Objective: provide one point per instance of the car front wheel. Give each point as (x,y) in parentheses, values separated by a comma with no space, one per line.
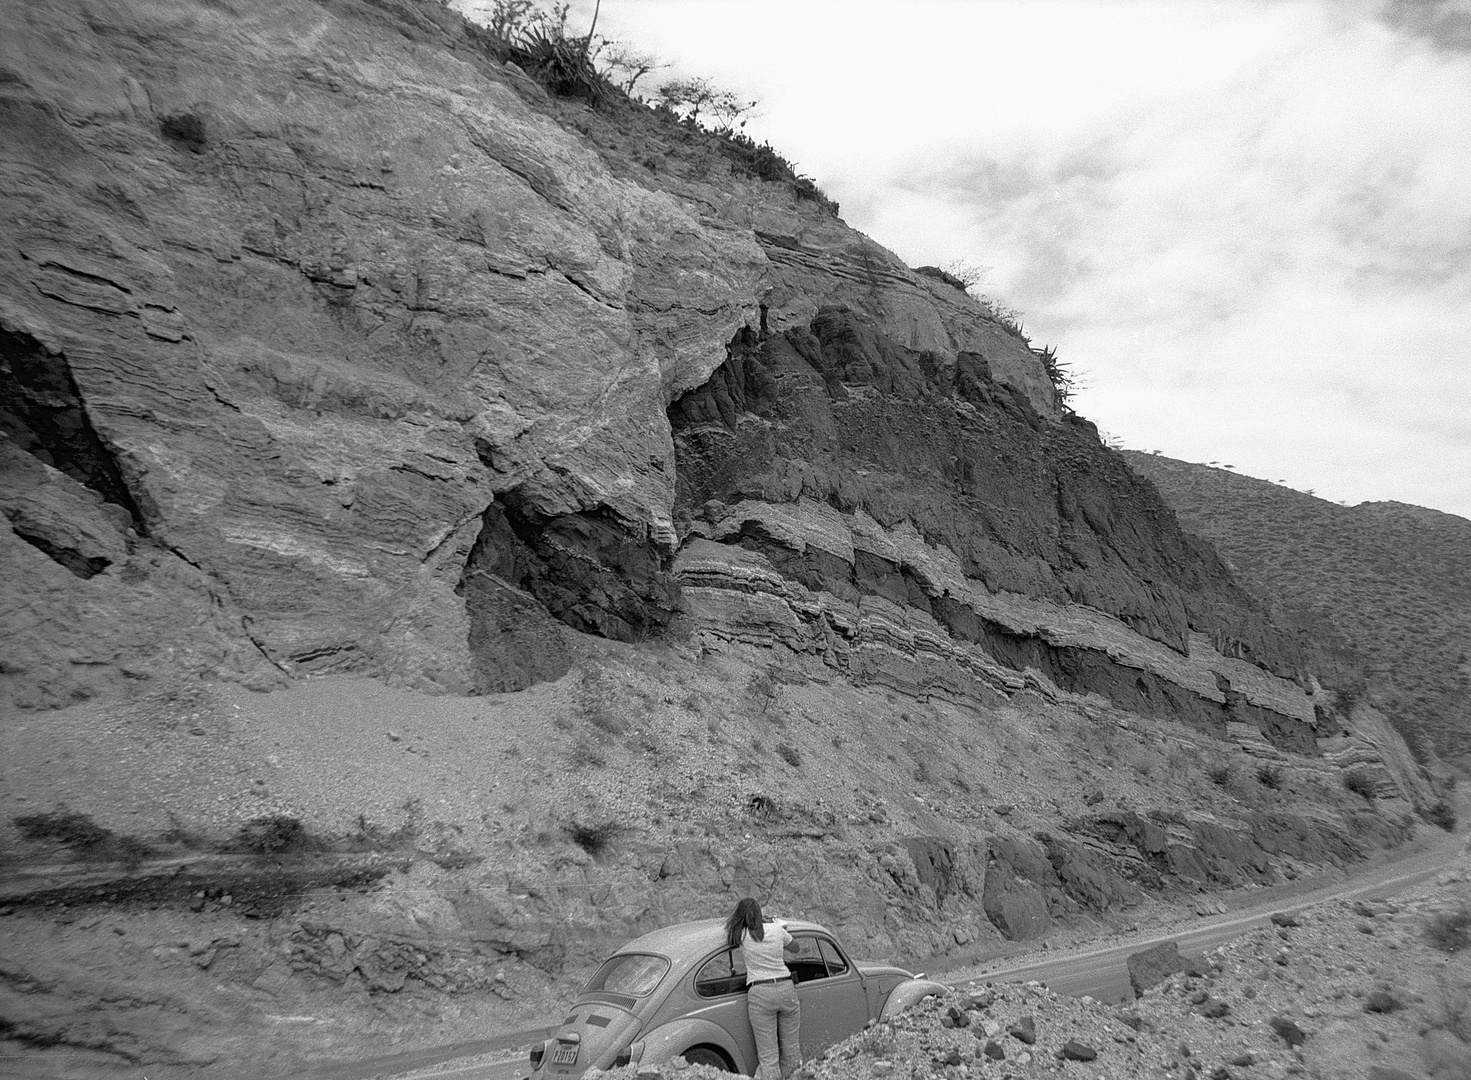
(707,1055)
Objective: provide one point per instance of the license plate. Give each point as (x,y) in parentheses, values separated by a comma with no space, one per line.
(564,1054)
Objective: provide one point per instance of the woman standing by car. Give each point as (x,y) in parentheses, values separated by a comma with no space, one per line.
(771,993)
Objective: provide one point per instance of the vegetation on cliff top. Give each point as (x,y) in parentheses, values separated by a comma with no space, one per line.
(600,70)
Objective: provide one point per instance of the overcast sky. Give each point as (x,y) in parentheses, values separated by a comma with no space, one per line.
(1245,223)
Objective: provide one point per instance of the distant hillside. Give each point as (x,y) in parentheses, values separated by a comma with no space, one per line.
(1391,581)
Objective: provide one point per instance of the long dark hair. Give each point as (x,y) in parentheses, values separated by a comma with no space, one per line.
(746,917)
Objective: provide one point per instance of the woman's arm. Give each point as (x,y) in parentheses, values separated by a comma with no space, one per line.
(789,946)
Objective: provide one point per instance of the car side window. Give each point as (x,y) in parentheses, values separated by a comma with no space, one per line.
(807,964)
(836,965)
(724,973)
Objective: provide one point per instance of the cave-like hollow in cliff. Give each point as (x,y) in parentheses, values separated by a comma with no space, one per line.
(588,570)
(42,414)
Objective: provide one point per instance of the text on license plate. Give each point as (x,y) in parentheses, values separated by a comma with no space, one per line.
(564,1054)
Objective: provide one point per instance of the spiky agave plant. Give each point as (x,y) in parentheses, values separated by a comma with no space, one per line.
(560,63)
(1059,373)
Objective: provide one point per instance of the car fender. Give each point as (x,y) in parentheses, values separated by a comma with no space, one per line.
(668,1041)
(907,993)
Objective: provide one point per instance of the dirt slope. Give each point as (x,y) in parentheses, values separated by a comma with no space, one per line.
(1390,582)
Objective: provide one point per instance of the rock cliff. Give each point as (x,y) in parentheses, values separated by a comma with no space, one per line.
(332,345)
(293,293)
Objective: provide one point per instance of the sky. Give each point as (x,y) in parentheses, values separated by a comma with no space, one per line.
(1245,224)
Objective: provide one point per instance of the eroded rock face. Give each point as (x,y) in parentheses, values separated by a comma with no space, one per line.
(294,293)
(919,523)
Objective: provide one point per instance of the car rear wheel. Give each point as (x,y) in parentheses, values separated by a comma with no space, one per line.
(707,1055)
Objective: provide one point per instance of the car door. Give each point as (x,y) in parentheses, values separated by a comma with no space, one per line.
(719,986)
(831,992)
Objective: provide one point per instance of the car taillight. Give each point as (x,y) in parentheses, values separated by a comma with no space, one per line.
(631,1054)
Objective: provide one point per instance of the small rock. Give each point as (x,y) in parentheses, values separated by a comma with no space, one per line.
(1024,1030)
(1200,997)
(1380,1001)
(1288,1031)
(1244,1059)
(1133,1020)
(1387,1072)
(958,1016)
(1220,1072)
(1214,1009)
(1003,809)
(1365,928)
(1280,959)
(881,1068)
(1023,1059)
(1281,918)
(196,731)
(394,736)
(992,1028)
(983,1000)
(994,1051)
(1072,1050)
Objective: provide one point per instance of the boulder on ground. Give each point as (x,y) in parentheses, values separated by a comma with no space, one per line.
(1153,966)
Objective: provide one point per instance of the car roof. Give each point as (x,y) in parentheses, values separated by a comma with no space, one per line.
(687,939)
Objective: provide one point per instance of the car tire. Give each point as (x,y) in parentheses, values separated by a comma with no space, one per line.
(707,1055)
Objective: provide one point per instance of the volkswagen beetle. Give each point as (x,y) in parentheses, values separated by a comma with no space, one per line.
(681,992)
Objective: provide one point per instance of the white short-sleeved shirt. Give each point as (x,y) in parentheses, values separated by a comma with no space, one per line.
(764,958)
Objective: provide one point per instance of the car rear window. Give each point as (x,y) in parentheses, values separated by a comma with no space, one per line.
(631,974)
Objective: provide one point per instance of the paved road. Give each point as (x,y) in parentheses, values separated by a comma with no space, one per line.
(1096,970)
(1101,970)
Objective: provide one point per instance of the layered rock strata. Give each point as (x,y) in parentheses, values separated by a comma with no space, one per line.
(917,523)
(288,298)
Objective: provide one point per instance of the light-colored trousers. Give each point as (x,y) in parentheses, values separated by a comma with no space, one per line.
(776,1021)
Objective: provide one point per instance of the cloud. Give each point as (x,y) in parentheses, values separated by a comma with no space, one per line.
(1444,23)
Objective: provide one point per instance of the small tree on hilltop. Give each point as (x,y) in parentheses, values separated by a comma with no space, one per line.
(624,66)
(969,274)
(690,98)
